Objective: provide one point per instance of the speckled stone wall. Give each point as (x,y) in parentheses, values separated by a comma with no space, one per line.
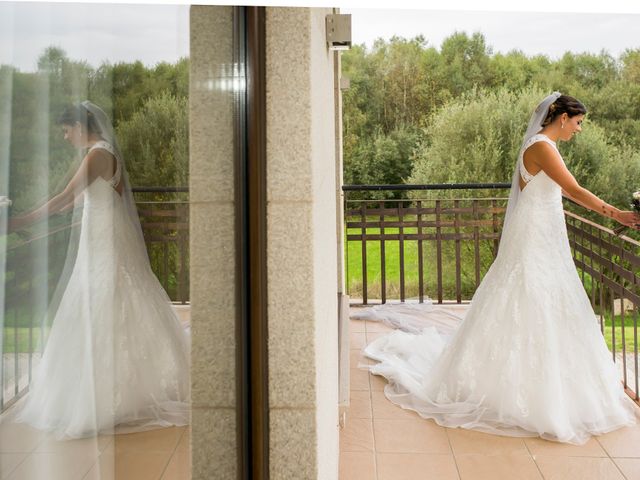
(302,258)
(301,238)
(212,256)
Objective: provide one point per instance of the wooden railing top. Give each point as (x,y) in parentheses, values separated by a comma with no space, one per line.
(602,228)
(430,186)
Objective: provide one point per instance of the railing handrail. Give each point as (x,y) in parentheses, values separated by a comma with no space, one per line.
(427,186)
(601,227)
(40,236)
(392,200)
(462,186)
(135,190)
(160,189)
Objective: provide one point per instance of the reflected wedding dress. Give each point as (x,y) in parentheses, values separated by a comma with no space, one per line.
(529,358)
(116,354)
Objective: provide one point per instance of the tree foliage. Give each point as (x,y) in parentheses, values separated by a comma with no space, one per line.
(148,107)
(155,138)
(420,114)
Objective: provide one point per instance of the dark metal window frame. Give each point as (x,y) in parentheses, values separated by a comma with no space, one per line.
(251,248)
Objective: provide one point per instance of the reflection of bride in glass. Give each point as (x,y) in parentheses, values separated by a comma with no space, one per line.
(116,354)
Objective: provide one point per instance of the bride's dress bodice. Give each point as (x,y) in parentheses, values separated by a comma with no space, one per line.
(103,220)
(536,238)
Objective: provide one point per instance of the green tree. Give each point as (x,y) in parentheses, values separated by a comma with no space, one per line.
(154,142)
(386,159)
(466,62)
(408,86)
(474,138)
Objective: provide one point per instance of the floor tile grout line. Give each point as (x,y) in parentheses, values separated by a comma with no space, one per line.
(453,453)
(373,430)
(610,457)
(175,448)
(96,462)
(165,467)
(533,458)
(30,452)
(15,469)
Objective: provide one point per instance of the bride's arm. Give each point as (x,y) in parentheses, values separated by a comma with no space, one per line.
(574,200)
(71,204)
(549,160)
(96,163)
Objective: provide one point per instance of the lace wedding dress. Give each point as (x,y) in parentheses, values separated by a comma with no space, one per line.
(117,355)
(529,358)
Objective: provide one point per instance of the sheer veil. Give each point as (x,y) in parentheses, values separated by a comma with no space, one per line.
(413,317)
(534,126)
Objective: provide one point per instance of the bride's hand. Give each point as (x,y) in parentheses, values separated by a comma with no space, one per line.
(628,218)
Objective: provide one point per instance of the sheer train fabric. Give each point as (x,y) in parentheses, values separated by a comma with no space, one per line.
(117,357)
(528,359)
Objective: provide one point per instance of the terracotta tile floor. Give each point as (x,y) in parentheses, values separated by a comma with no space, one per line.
(381,441)
(28,454)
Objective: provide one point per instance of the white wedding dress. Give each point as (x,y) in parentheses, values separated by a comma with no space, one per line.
(117,357)
(529,358)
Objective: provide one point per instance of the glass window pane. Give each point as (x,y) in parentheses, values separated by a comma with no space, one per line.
(95,224)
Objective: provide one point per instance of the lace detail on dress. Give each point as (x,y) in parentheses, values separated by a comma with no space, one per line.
(540,137)
(115,180)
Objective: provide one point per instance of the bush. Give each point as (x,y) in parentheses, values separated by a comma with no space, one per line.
(475,138)
(155,142)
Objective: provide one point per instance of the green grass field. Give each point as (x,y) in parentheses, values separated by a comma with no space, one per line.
(353,251)
(10,343)
(629,340)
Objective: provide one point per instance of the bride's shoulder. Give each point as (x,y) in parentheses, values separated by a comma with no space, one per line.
(541,153)
(539,142)
(104,145)
(538,137)
(100,153)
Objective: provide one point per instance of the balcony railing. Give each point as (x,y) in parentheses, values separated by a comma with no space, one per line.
(164,216)
(34,265)
(437,242)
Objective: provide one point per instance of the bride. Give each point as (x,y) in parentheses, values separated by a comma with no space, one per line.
(529,358)
(116,353)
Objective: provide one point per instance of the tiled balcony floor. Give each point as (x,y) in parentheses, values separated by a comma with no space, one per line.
(381,441)
(28,454)
(161,454)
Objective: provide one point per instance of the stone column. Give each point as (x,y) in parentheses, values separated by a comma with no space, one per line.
(302,257)
(212,245)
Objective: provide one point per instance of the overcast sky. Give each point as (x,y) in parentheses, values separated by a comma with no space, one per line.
(551,34)
(93,32)
(97,32)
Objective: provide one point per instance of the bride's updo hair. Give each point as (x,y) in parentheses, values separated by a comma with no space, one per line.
(564,104)
(77,113)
